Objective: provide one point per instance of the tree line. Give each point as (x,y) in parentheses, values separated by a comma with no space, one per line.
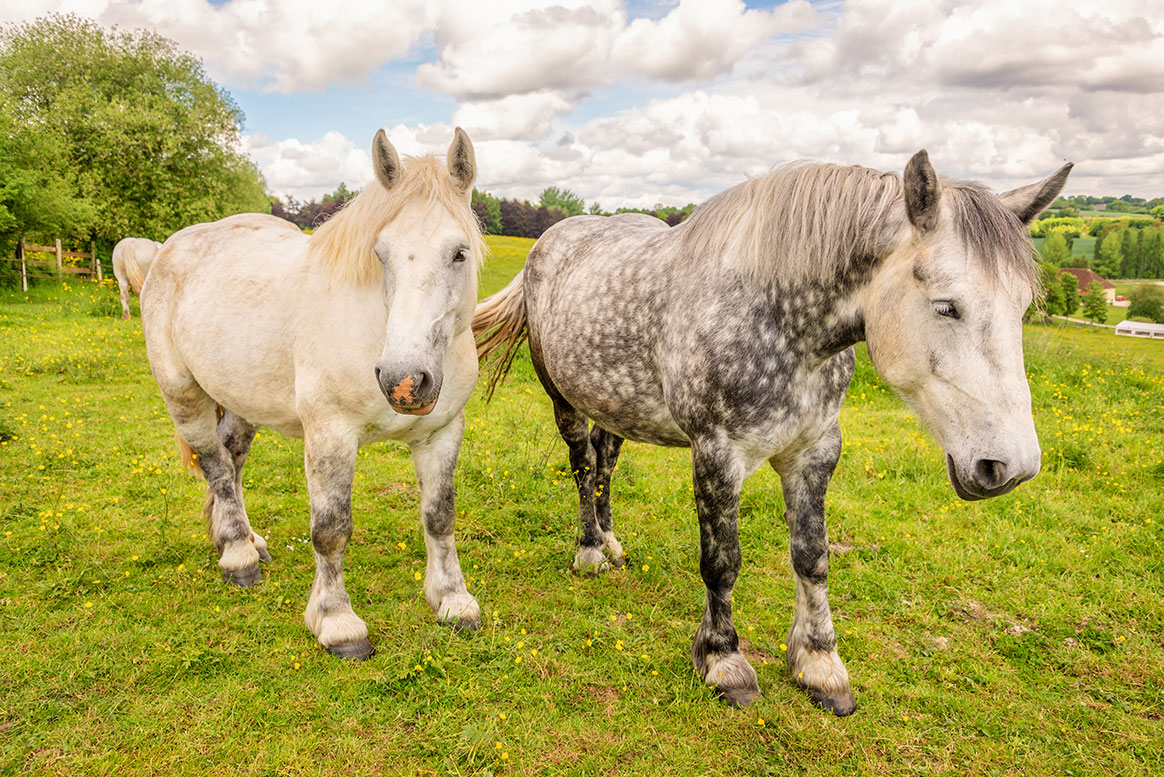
(1124,248)
(520,218)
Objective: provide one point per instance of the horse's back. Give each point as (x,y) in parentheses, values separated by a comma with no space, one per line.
(220,309)
(595,287)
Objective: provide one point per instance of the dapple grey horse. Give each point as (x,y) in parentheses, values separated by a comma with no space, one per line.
(732,333)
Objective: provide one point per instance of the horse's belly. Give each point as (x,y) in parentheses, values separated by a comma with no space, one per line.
(615,386)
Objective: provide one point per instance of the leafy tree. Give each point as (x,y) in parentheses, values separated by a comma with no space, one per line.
(1149,308)
(36,194)
(1070,288)
(1095,303)
(1129,254)
(563,200)
(488,210)
(147,138)
(1110,254)
(1153,263)
(1055,249)
(1158,212)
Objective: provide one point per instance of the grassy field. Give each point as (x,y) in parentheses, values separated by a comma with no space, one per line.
(1020,635)
(1081,246)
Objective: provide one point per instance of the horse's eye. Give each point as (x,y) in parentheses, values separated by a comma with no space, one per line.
(945,307)
(461,255)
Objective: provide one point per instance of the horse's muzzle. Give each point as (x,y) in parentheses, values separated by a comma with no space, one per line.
(414,393)
(988,478)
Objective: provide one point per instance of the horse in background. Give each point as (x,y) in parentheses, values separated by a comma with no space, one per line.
(132,257)
(732,334)
(356,334)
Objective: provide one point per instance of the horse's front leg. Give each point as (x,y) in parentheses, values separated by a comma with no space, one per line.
(718,475)
(330,462)
(435,459)
(812,644)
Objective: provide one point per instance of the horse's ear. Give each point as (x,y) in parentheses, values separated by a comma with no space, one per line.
(385,160)
(462,160)
(922,192)
(1029,201)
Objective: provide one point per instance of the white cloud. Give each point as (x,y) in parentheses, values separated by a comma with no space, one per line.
(307,171)
(490,50)
(702,39)
(517,117)
(285,46)
(706,91)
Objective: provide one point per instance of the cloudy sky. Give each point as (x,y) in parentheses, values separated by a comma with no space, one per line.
(657,101)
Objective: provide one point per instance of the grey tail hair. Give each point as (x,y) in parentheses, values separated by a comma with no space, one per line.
(500,325)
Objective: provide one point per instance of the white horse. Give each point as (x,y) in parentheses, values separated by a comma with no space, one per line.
(132,257)
(249,322)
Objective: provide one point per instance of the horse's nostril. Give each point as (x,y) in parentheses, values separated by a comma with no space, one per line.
(990,473)
(425,383)
(377,372)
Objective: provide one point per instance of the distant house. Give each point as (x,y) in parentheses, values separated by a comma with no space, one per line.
(1140,329)
(1085,276)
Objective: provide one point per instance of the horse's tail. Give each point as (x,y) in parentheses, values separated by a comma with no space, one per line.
(133,272)
(187,454)
(500,324)
(189,457)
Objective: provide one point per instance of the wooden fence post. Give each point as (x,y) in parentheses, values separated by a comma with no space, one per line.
(96,264)
(23,267)
(59,265)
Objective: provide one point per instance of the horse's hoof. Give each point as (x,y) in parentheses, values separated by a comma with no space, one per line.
(619,562)
(358,650)
(739,697)
(841,705)
(243,578)
(264,556)
(466,624)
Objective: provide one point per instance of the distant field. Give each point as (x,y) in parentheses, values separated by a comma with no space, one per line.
(1082,246)
(1013,636)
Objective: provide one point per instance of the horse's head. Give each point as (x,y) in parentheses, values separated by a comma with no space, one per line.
(943,321)
(429,251)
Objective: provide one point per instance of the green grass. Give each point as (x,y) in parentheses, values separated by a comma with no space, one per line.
(1019,635)
(1083,245)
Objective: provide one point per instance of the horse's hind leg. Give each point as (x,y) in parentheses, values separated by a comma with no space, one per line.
(574,428)
(123,289)
(237,434)
(812,644)
(196,416)
(606,447)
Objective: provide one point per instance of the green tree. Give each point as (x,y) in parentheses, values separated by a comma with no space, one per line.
(1095,303)
(36,194)
(1148,308)
(1158,212)
(564,200)
(488,210)
(1153,264)
(1070,286)
(1055,249)
(1050,303)
(149,140)
(1110,254)
(1129,254)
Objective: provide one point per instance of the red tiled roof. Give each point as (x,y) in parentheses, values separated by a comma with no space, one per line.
(1085,276)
